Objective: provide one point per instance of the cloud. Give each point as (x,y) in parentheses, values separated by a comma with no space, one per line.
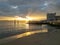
(16,7)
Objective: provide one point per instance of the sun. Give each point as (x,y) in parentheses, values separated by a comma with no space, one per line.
(28,18)
(25,20)
(19,18)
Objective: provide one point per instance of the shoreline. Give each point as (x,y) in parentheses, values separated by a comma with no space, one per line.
(51,38)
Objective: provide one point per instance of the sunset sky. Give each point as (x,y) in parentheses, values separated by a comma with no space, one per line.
(22,7)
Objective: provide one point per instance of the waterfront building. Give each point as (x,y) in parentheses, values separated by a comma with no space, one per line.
(57,17)
(51,17)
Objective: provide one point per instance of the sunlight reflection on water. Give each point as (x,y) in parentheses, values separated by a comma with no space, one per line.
(23,29)
(31,33)
(22,35)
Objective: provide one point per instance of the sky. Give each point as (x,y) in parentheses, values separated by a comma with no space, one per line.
(23,7)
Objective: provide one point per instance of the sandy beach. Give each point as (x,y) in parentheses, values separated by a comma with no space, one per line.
(51,38)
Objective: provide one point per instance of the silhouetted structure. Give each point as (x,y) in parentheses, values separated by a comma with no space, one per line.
(51,16)
(57,17)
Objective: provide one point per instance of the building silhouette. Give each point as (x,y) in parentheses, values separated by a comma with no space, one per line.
(51,17)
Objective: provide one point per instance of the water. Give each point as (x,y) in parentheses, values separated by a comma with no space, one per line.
(10,28)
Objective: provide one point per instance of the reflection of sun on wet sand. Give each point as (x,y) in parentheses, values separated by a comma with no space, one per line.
(31,33)
(38,39)
(21,35)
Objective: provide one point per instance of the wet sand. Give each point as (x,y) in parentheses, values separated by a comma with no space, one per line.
(50,38)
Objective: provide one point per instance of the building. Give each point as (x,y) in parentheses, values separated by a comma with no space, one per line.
(51,17)
(57,17)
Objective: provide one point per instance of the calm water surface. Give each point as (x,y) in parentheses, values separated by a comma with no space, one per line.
(12,28)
